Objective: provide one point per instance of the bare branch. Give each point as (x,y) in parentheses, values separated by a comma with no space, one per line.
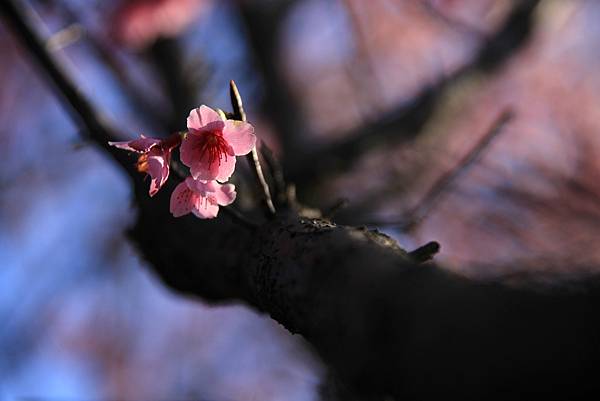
(443,184)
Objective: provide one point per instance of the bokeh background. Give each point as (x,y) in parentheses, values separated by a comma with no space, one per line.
(370,102)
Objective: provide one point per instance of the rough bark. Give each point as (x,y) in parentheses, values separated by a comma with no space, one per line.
(386,325)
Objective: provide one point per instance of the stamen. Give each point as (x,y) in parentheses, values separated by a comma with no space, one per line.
(142,163)
(214,147)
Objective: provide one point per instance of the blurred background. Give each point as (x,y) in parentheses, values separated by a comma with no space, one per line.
(387,105)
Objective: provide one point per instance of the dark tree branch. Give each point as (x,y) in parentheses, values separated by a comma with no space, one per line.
(386,325)
(182,90)
(262,21)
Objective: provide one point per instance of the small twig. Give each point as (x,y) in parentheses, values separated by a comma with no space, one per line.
(252,157)
(335,208)
(453,23)
(65,37)
(281,195)
(413,218)
(424,253)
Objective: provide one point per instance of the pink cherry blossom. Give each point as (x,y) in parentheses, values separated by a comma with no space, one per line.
(138,23)
(154,159)
(201,198)
(211,145)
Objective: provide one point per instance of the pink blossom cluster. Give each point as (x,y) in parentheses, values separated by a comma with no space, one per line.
(209,149)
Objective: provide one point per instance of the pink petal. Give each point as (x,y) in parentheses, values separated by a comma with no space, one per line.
(201,117)
(158,169)
(183,200)
(122,145)
(240,136)
(202,169)
(201,187)
(139,145)
(226,166)
(207,170)
(225,194)
(205,209)
(189,149)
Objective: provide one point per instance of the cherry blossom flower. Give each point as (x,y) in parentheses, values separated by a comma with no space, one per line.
(202,198)
(138,23)
(211,145)
(154,159)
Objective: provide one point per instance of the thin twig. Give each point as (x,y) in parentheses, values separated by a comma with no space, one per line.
(424,253)
(335,208)
(413,218)
(240,114)
(451,22)
(276,170)
(65,37)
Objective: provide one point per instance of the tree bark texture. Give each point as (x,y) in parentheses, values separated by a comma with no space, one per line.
(385,324)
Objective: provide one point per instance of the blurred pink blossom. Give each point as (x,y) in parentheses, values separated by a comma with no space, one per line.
(155,157)
(210,146)
(201,198)
(138,23)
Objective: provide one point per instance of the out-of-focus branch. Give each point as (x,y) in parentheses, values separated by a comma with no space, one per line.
(167,58)
(112,62)
(262,21)
(453,23)
(405,123)
(443,184)
(97,129)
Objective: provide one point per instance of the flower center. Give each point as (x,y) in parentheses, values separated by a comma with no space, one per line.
(142,163)
(214,147)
